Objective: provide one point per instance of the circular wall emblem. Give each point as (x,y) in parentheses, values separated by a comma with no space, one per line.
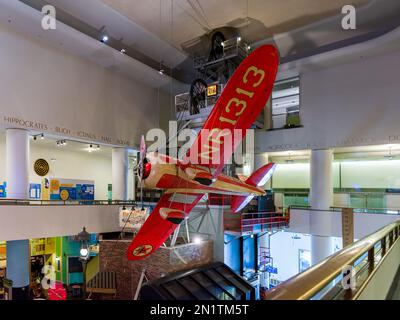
(143,250)
(64,195)
(41,167)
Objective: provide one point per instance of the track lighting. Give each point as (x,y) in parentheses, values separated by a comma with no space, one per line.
(41,135)
(123,51)
(61,143)
(104,38)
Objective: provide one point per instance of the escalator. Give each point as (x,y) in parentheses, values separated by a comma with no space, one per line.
(212,282)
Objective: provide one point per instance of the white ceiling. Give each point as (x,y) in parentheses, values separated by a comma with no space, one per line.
(179,21)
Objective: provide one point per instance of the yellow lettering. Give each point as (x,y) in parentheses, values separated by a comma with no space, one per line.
(245,92)
(206,154)
(220,134)
(237,103)
(230,121)
(255,72)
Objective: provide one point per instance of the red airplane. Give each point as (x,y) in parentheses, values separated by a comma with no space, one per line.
(186,181)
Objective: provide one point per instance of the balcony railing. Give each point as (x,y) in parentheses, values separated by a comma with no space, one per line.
(325,280)
(252,223)
(31,202)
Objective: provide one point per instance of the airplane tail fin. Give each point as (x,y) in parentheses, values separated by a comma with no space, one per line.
(257,179)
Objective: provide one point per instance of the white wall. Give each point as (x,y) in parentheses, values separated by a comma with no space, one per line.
(354,174)
(364,223)
(51,88)
(31,222)
(346,105)
(285,252)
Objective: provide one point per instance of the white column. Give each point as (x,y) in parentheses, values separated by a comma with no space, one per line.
(261,159)
(264,241)
(17,175)
(17,162)
(321,198)
(120,167)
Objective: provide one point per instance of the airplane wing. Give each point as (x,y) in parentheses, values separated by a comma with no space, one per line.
(163,220)
(239,105)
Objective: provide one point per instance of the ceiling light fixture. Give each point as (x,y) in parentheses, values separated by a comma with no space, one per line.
(41,135)
(123,51)
(61,143)
(104,38)
(389,156)
(290,160)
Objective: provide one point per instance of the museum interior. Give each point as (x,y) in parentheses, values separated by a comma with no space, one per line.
(102,101)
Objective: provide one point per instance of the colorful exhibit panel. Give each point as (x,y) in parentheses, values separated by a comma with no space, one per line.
(67,189)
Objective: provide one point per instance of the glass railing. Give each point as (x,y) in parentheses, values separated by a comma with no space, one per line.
(355,210)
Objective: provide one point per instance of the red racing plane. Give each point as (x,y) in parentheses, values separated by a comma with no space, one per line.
(186,181)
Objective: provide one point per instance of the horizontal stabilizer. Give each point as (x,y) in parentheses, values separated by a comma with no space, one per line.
(259,178)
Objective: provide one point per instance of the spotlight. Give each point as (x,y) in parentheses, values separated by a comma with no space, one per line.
(34,137)
(123,51)
(197,240)
(98,147)
(248,48)
(239,39)
(104,38)
(161,71)
(42,136)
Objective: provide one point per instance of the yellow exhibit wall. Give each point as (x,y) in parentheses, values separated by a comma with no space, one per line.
(347,174)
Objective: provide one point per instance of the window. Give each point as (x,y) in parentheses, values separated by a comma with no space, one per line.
(304,259)
(286,104)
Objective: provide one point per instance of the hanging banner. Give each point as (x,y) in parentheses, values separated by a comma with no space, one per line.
(347,226)
(132,220)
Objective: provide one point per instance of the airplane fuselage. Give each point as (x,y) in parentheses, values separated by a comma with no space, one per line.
(173,176)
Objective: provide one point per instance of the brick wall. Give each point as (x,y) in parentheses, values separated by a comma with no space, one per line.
(163,261)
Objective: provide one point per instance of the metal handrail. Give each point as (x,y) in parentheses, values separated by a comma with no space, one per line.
(356,210)
(311,282)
